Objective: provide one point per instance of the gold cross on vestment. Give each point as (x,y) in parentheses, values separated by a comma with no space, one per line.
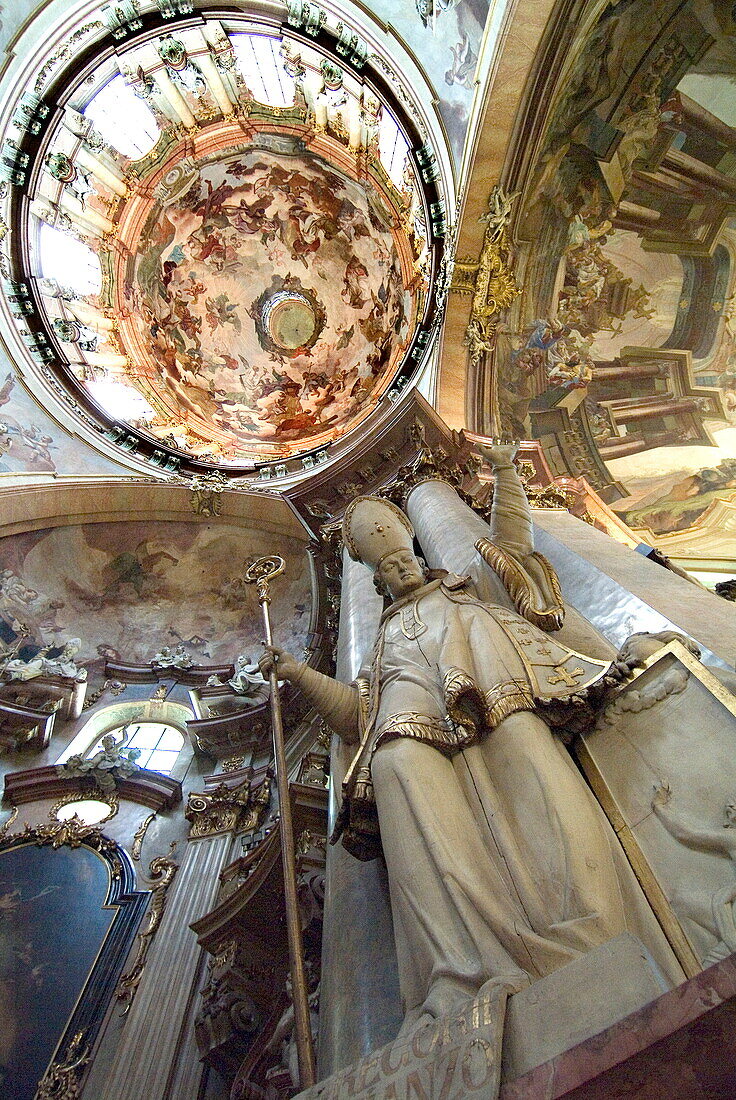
(565,677)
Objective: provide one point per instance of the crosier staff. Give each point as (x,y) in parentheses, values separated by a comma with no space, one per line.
(260,573)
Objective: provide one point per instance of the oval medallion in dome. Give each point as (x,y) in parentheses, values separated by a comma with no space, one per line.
(270,300)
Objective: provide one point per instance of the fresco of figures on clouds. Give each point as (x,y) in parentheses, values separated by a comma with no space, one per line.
(267,357)
(446,36)
(30,442)
(127,589)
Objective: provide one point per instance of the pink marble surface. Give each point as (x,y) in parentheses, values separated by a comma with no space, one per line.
(682,1046)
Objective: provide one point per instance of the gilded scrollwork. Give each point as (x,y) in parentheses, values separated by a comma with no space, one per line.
(72,833)
(109,798)
(206,492)
(489,279)
(227,809)
(162,871)
(139,835)
(62,1080)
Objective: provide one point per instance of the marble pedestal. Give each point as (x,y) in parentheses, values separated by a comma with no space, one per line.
(462,1056)
(681,1046)
(453,1057)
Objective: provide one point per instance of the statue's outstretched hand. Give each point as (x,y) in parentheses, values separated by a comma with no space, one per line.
(501,452)
(286,666)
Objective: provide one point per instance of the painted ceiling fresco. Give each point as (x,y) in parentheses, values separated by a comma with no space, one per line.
(31,442)
(446,36)
(231,244)
(620,354)
(269,296)
(127,589)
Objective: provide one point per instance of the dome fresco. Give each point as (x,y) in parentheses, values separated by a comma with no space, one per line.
(267,302)
(229,244)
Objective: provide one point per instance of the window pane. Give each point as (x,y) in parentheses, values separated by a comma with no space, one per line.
(123,119)
(393,147)
(161,761)
(171,740)
(71,262)
(139,737)
(121,401)
(262,66)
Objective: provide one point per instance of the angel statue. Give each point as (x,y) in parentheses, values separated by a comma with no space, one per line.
(501,864)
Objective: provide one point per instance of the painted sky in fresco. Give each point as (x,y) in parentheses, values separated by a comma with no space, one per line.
(446,44)
(127,589)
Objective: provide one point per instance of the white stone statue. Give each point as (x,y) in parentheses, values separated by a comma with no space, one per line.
(172,658)
(112,760)
(42,665)
(500,861)
(714,912)
(248,681)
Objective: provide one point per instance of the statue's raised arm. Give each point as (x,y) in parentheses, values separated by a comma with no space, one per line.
(527,576)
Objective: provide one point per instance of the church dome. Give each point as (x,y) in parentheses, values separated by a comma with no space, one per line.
(231,243)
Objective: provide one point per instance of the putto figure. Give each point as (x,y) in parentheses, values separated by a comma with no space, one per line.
(500,862)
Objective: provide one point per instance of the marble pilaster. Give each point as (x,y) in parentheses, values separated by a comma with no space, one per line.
(447,530)
(622,592)
(155,1044)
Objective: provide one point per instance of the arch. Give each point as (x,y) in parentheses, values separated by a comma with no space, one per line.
(117,715)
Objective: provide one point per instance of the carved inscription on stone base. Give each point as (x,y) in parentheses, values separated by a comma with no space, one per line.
(453,1057)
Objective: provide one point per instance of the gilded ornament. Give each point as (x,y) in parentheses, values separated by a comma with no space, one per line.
(62,1080)
(72,833)
(109,798)
(233,763)
(138,837)
(490,280)
(8,822)
(162,871)
(227,810)
(206,491)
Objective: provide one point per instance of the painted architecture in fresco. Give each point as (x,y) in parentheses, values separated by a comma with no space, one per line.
(231,302)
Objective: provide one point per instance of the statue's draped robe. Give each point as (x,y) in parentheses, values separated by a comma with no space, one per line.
(500,862)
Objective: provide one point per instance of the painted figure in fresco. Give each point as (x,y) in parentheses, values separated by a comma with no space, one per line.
(19,970)
(500,862)
(188,292)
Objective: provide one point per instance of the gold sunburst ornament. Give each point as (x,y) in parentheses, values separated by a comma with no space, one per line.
(489,279)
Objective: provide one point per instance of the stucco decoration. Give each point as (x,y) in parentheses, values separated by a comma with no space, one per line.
(126,588)
(267,301)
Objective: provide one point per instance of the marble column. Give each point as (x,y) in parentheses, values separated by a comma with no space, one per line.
(359,1004)
(622,592)
(156,1046)
(447,530)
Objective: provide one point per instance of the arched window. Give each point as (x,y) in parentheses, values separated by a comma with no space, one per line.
(121,400)
(123,120)
(70,262)
(393,147)
(262,65)
(158,743)
(156,728)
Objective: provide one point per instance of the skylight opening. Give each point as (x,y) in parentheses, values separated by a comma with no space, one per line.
(120,401)
(262,66)
(123,119)
(71,262)
(393,147)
